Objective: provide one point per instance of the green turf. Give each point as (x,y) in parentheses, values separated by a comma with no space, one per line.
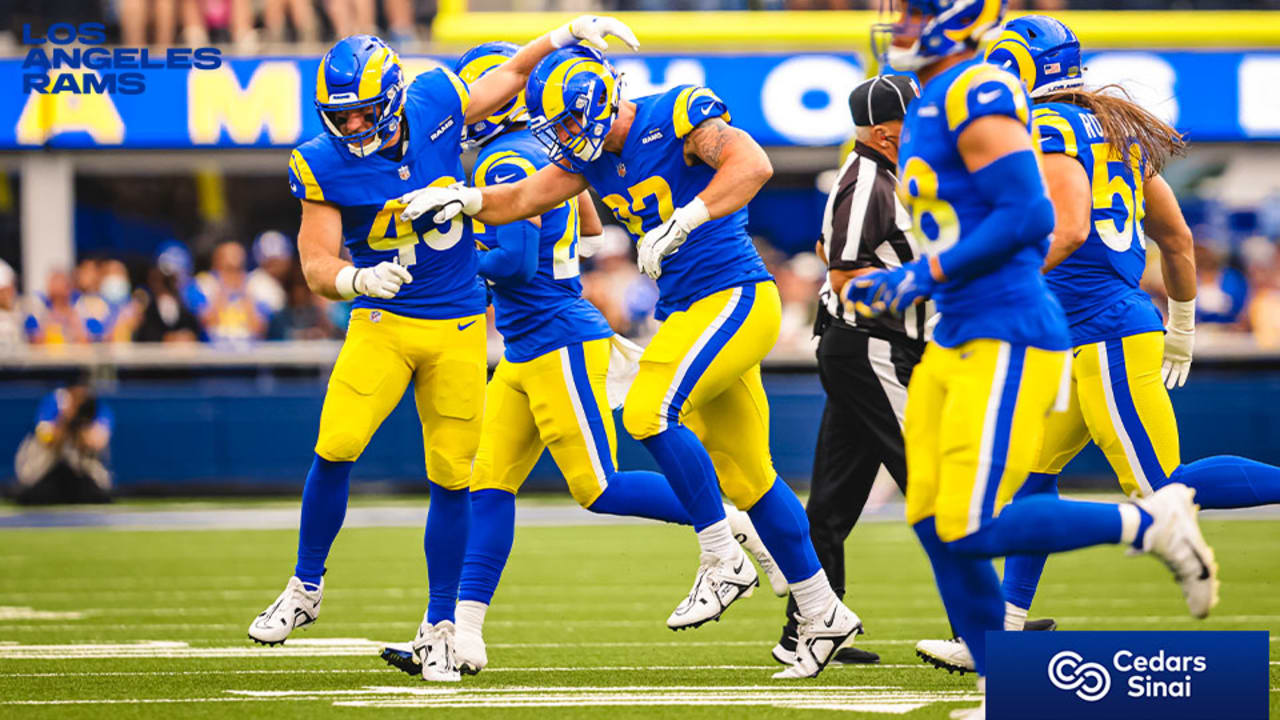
(592,597)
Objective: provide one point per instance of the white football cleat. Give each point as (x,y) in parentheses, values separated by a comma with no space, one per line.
(295,607)
(745,533)
(819,638)
(468,650)
(950,655)
(1174,537)
(433,648)
(718,584)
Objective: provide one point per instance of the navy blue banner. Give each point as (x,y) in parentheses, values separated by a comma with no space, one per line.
(1128,675)
(792,99)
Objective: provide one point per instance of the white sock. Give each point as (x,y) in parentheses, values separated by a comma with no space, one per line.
(470,615)
(813,595)
(717,539)
(1130,521)
(1015,618)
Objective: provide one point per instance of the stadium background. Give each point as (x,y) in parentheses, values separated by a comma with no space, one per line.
(92,188)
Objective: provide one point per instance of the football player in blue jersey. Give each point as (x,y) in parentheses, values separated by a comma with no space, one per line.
(678,176)
(549,389)
(1102,157)
(978,400)
(419,305)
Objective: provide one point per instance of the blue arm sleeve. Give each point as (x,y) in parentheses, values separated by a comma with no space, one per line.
(515,260)
(1021,215)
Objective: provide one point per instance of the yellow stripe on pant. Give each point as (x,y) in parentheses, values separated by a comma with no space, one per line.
(974,423)
(1118,400)
(383,352)
(554,401)
(702,369)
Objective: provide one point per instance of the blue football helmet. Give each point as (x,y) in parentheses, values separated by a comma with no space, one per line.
(1042,51)
(573,97)
(945,27)
(471,67)
(361,72)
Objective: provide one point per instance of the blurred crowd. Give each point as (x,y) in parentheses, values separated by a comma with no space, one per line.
(246,294)
(244,24)
(247,24)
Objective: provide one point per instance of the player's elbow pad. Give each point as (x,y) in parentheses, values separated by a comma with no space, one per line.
(515,260)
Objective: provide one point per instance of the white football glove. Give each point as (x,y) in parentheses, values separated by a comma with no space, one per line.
(444,202)
(593,29)
(1179,341)
(665,239)
(380,281)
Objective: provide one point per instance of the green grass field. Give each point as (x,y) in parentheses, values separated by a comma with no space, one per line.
(125,623)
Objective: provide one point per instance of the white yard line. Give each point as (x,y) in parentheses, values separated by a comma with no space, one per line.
(385,669)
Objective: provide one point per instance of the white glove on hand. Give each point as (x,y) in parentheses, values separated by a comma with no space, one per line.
(624,365)
(380,281)
(593,29)
(444,202)
(1179,341)
(669,236)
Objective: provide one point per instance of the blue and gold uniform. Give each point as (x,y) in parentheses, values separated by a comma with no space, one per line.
(549,389)
(1117,395)
(720,308)
(433,331)
(977,402)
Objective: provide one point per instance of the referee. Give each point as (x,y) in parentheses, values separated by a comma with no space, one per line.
(864,364)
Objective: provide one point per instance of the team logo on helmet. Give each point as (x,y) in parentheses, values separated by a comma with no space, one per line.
(472,66)
(573,97)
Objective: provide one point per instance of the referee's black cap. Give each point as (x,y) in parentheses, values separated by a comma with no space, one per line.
(881,99)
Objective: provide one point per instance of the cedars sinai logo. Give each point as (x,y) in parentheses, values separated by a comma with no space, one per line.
(1160,675)
(1068,671)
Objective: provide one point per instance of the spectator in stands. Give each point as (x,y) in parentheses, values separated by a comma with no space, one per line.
(162,314)
(400,25)
(1221,289)
(301,15)
(611,282)
(54,320)
(229,314)
(65,459)
(304,317)
(159,16)
(12,319)
(273,255)
(799,280)
(1263,265)
(349,17)
(97,313)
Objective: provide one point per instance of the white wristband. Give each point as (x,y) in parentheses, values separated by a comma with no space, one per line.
(345,282)
(690,216)
(1182,314)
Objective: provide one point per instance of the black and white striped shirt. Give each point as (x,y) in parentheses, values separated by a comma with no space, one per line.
(866,226)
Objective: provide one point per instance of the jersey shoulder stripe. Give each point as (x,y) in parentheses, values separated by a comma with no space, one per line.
(302,180)
(980,90)
(693,104)
(1061,128)
(501,167)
